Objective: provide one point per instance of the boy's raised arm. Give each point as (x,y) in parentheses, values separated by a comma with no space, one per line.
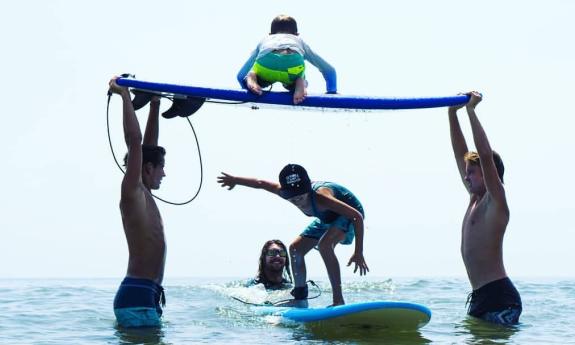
(152,126)
(133,138)
(458,142)
(491,178)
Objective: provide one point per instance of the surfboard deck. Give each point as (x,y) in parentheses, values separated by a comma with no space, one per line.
(375,315)
(325,101)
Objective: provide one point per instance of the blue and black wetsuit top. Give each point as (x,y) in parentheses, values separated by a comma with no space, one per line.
(340,193)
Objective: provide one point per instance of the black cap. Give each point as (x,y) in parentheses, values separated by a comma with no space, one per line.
(294,181)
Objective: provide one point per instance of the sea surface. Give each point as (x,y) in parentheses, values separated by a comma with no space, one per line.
(73,311)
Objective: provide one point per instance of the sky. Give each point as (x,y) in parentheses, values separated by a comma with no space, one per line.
(60,215)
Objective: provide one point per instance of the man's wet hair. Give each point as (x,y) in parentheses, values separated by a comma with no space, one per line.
(473,158)
(261,277)
(284,24)
(150,154)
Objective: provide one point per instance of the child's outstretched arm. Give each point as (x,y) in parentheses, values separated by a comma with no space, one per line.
(324,67)
(247,67)
(227,180)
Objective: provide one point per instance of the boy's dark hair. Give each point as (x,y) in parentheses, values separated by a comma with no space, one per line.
(473,158)
(284,24)
(150,154)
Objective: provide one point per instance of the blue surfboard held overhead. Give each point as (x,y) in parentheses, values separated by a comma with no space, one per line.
(284,98)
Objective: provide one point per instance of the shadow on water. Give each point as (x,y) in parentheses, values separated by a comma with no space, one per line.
(359,335)
(148,336)
(483,332)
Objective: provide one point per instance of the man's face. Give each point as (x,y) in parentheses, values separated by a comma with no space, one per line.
(474,178)
(157,174)
(276,257)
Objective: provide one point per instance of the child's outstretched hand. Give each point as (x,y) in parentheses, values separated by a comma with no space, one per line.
(359,261)
(227,180)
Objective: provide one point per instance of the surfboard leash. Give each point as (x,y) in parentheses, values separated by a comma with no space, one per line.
(125,75)
(307,298)
(274,304)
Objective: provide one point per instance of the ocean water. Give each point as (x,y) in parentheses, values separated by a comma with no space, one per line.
(202,311)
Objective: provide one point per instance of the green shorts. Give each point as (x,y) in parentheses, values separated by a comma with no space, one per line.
(283,68)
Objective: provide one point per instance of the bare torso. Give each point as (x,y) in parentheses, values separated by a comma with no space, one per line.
(144,231)
(482,241)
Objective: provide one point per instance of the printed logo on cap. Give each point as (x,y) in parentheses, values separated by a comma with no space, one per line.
(292,179)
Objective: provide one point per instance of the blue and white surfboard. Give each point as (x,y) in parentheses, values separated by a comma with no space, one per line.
(378,315)
(324,101)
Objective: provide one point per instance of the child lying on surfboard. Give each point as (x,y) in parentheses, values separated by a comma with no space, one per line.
(279,57)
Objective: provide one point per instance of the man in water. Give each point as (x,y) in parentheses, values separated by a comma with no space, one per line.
(494,298)
(273,268)
(137,302)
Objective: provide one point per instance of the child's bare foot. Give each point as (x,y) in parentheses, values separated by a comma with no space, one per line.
(300,91)
(252,83)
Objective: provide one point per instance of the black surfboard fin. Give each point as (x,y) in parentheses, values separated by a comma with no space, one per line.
(141,98)
(184,107)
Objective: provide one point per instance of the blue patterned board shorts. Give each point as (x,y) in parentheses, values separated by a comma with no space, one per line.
(137,303)
(497,302)
(509,316)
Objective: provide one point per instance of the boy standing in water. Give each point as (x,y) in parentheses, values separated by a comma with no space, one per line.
(279,57)
(494,298)
(137,302)
(339,219)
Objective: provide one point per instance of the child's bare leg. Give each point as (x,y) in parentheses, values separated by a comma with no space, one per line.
(326,248)
(298,249)
(252,83)
(300,91)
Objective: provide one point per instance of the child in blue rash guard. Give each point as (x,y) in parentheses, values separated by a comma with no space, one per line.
(279,57)
(339,219)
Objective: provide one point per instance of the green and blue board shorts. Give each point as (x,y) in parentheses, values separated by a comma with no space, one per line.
(283,68)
